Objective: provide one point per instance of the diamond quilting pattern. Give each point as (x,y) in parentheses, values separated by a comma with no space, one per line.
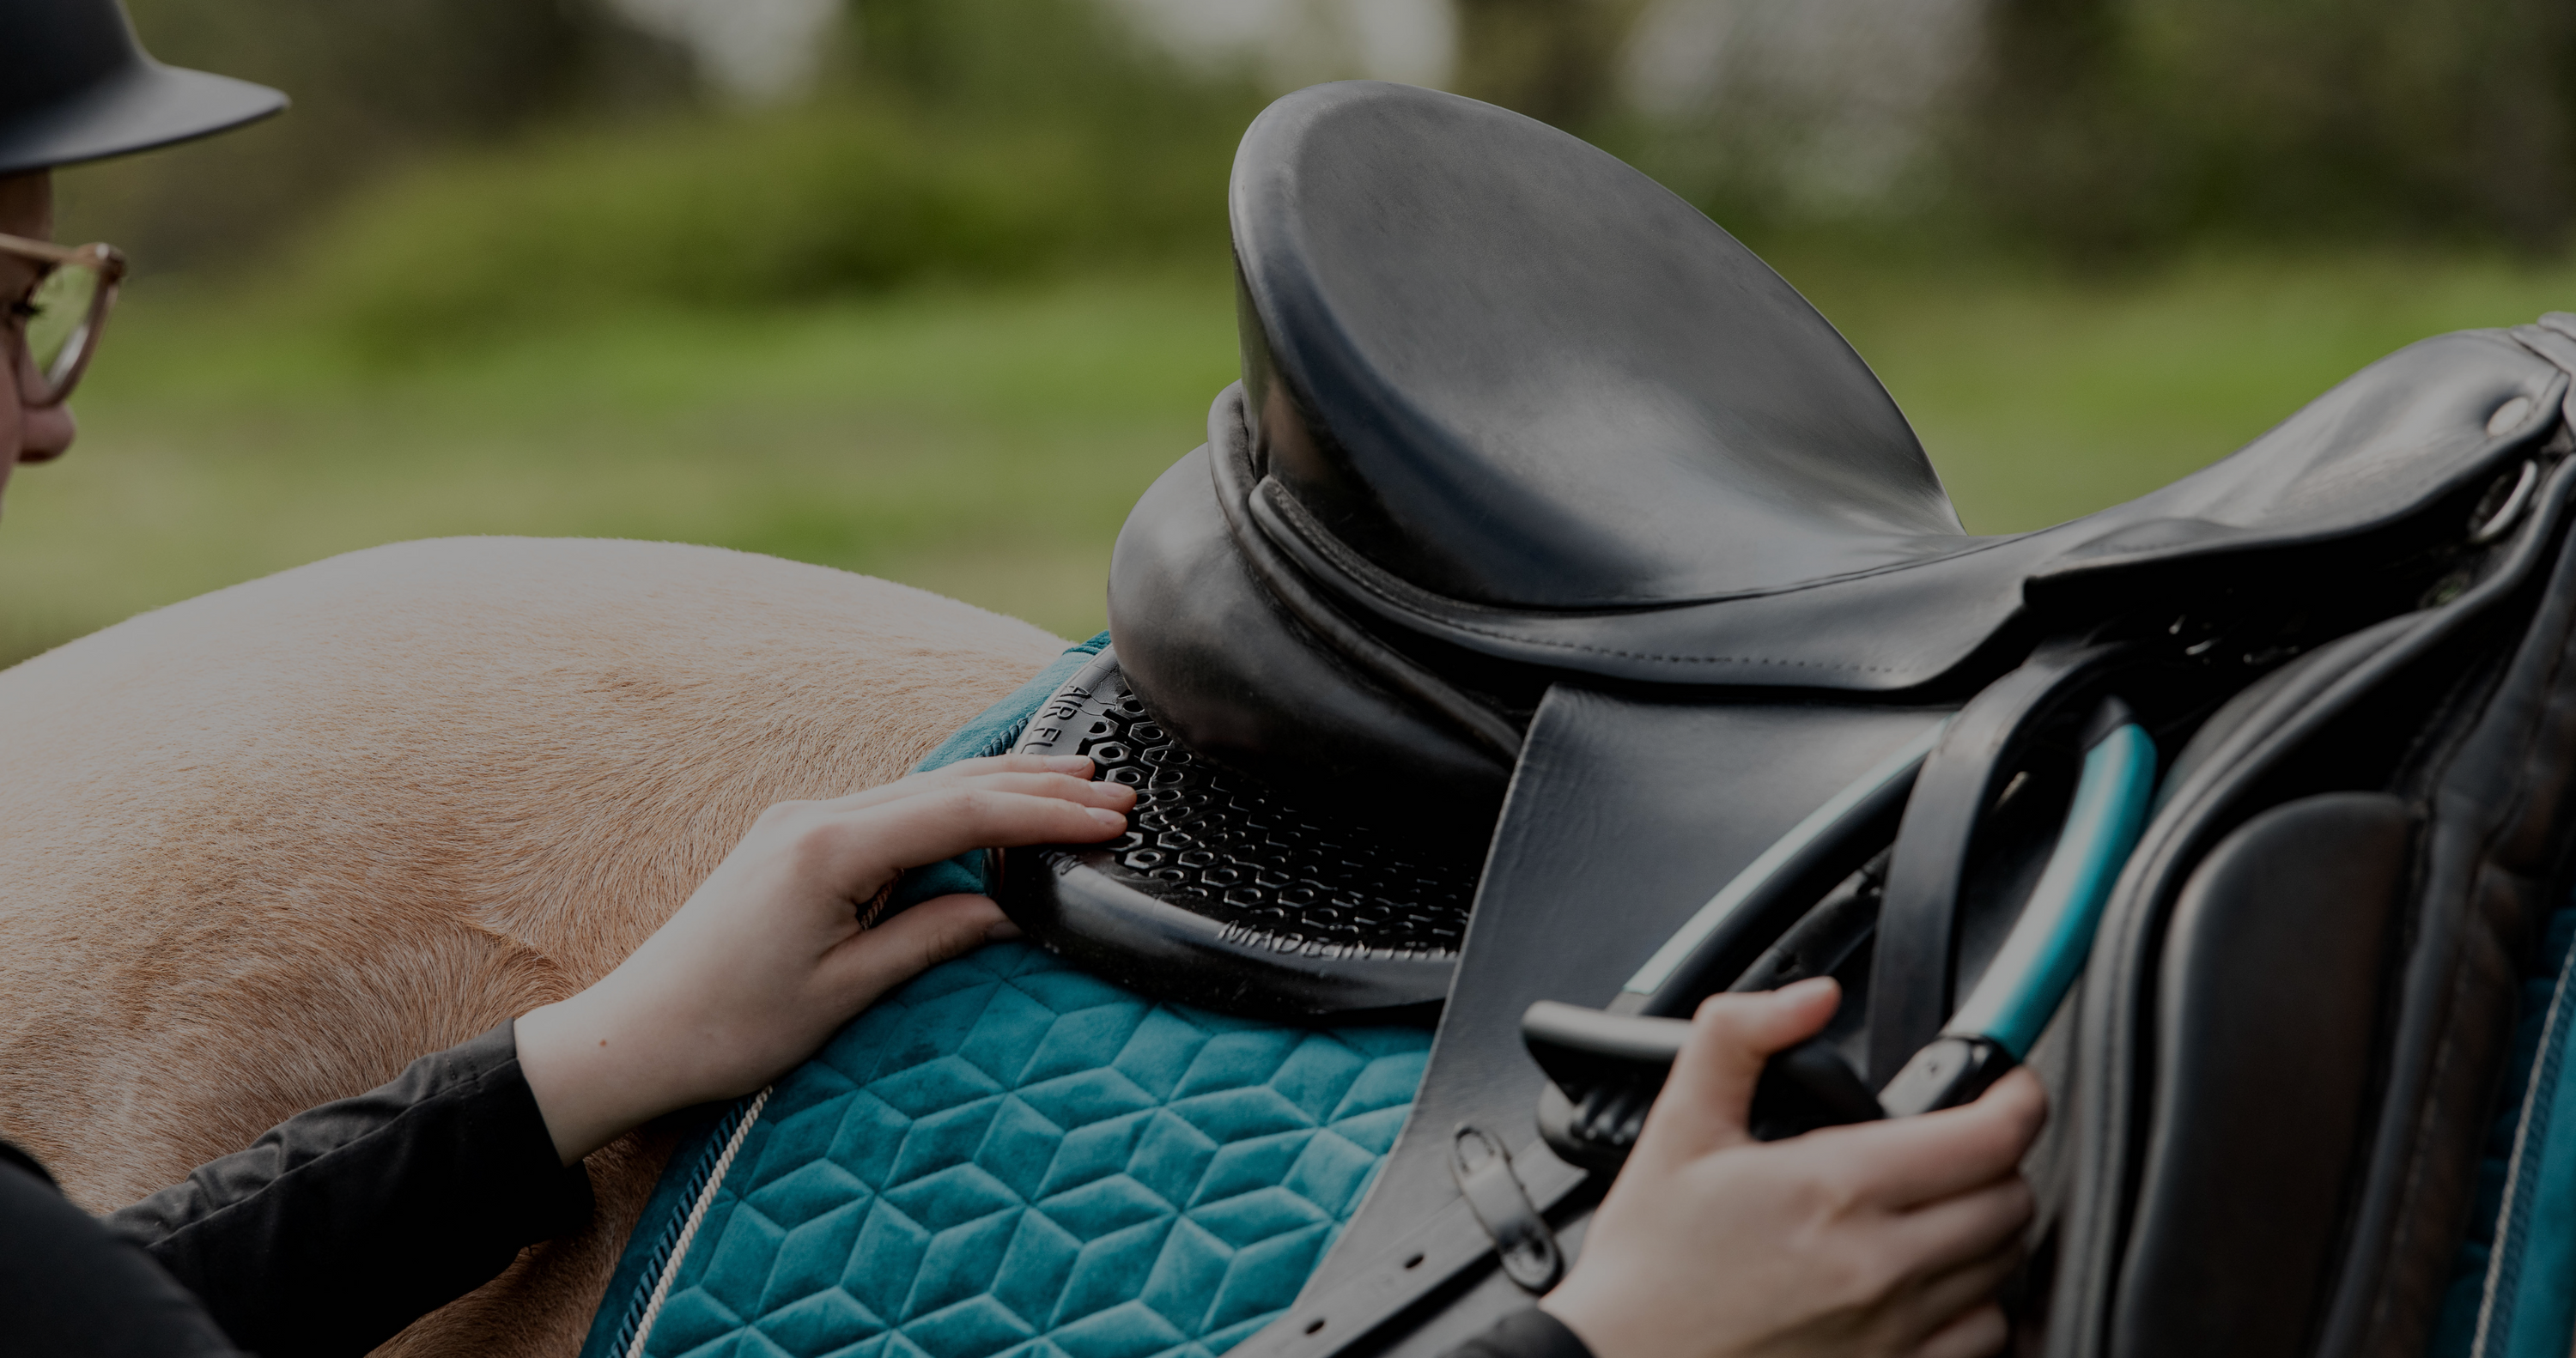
(1011,1157)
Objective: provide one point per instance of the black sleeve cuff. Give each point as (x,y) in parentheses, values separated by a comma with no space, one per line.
(341,1225)
(1527,1333)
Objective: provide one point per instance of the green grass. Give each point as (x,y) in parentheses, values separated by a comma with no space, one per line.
(2041,398)
(984,445)
(987,443)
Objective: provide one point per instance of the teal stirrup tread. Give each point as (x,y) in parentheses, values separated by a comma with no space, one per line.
(1009,1156)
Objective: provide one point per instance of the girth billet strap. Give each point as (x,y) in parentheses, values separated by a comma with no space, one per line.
(1503,1208)
(1910,974)
(1518,1193)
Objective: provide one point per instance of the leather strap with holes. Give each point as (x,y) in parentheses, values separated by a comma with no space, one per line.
(1445,1247)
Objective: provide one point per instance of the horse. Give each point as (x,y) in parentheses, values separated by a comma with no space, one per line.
(271,844)
(1637,537)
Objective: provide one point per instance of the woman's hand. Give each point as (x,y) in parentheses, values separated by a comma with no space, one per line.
(1882,1238)
(767,960)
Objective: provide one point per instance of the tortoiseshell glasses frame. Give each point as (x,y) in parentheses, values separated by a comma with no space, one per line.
(58,318)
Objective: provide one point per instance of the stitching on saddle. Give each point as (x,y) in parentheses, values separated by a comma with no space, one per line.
(1360,573)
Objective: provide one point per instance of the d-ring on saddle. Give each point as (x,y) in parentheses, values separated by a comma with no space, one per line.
(1549,530)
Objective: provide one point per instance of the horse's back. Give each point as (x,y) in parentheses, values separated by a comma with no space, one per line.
(267,846)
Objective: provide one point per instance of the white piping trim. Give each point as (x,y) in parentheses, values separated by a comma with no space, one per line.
(689,1227)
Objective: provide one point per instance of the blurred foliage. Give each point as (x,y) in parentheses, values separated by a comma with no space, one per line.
(1555,60)
(747,212)
(963,138)
(376,86)
(460,163)
(2109,128)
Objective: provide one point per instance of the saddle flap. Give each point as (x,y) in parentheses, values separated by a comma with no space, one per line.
(1505,367)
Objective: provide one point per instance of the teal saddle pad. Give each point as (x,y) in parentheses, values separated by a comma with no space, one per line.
(1011,1156)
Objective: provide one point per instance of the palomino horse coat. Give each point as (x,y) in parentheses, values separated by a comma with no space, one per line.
(265,847)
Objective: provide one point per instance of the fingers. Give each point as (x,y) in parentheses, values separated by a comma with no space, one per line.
(1940,1298)
(1705,1102)
(1955,1232)
(861,848)
(1066,772)
(865,967)
(1977,1334)
(1937,1155)
(1077,764)
(1115,796)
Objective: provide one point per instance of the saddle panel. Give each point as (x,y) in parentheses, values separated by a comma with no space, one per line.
(1508,368)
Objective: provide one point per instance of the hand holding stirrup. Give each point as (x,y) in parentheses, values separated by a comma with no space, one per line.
(1882,1239)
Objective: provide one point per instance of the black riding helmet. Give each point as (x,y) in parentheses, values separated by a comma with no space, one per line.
(75,86)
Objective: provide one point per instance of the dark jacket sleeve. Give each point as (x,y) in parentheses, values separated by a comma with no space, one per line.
(1530,1333)
(69,1289)
(340,1226)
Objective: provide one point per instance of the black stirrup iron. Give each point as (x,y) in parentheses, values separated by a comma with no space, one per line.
(1606,1066)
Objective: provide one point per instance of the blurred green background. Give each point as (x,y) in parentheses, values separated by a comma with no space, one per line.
(931,288)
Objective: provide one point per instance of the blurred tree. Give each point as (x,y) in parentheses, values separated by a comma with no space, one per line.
(1555,60)
(2108,127)
(1069,62)
(1155,136)
(951,139)
(375,84)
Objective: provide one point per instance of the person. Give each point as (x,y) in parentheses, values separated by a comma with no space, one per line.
(340,1226)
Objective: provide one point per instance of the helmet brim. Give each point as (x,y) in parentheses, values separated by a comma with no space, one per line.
(145,106)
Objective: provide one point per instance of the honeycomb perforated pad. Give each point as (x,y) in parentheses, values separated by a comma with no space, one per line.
(1214,841)
(1009,1156)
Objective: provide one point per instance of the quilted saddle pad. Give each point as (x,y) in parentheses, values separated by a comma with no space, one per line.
(1010,1156)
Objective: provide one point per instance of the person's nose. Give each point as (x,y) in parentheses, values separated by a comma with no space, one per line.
(46,433)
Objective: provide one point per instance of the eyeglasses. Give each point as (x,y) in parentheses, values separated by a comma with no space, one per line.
(59,318)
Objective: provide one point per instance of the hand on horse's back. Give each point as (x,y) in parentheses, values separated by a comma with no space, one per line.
(770,957)
(1881,1238)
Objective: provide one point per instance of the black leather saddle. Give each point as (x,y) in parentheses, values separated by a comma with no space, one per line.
(1561,624)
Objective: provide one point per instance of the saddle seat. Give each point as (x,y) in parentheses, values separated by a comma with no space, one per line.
(1513,413)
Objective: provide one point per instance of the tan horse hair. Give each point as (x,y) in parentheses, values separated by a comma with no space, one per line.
(263,848)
